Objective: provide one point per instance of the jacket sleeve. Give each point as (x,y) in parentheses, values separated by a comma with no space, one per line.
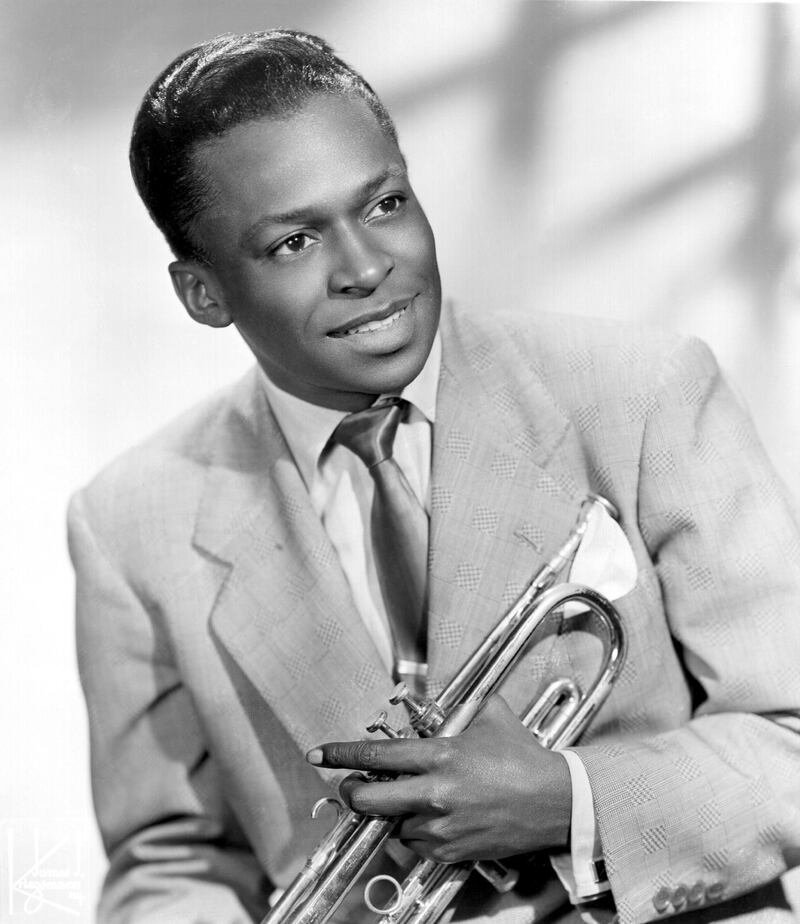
(710,810)
(176,853)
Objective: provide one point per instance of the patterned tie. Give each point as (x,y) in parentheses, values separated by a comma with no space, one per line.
(399,528)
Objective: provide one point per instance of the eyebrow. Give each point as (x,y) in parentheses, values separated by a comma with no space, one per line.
(304,213)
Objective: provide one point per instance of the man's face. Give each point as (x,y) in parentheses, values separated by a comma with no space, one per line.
(321,255)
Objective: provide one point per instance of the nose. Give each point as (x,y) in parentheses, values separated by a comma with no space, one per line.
(360,266)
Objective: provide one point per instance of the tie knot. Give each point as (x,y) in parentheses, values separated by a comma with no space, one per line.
(370,433)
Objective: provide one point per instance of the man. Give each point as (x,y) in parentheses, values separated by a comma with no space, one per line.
(235,610)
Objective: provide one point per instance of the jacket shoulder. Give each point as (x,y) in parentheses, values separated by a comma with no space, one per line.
(166,472)
(571,353)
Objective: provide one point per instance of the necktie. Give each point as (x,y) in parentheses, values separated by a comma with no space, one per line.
(399,529)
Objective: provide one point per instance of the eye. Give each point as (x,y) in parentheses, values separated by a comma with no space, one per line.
(387,206)
(290,246)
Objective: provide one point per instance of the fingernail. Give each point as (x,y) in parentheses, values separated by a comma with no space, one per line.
(314,756)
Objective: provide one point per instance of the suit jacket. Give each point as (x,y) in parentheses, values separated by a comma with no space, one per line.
(218,640)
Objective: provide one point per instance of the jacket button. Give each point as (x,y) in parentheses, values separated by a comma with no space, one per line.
(715,891)
(679,895)
(661,900)
(697,893)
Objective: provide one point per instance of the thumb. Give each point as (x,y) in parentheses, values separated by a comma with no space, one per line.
(496,709)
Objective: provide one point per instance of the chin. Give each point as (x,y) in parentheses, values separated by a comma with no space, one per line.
(395,380)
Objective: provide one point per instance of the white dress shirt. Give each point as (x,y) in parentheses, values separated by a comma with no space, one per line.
(341,489)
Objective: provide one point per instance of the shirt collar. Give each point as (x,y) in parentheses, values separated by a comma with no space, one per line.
(308,427)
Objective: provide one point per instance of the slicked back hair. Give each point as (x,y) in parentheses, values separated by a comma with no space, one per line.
(210,89)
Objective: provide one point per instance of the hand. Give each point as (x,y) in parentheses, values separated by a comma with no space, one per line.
(487,793)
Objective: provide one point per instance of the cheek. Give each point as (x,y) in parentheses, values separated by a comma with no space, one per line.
(294,294)
(421,249)
(281,304)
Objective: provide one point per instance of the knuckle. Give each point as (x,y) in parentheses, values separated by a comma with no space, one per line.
(367,754)
(441,831)
(439,799)
(443,754)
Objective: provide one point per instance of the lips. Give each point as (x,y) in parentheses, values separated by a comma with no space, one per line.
(373,321)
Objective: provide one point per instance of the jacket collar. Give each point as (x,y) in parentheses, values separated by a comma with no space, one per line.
(284,610)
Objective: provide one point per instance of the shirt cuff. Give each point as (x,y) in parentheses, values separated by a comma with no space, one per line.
(581,871)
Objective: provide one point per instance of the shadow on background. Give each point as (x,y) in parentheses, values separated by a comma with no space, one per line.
(67,62)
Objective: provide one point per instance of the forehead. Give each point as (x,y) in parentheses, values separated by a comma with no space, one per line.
(331,145)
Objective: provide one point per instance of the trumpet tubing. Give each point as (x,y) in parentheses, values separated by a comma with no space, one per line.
(557,718)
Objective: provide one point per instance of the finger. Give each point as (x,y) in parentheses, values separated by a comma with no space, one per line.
(423,828)
(390,799)
(351,780)
(411,755)
(348,784)
(420,848)
(429,850)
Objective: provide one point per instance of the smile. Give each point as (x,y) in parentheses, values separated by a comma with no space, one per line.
(377,324)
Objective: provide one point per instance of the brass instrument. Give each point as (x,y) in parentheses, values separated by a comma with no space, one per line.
(557,718)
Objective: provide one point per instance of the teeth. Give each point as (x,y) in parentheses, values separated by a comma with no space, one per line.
(376,325)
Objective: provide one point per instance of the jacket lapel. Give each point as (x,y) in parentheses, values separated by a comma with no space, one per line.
(503,498)
(284,610)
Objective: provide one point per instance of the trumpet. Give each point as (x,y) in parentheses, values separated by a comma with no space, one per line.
(557,719)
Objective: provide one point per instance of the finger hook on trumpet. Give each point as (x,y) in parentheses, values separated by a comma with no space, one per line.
(328,800)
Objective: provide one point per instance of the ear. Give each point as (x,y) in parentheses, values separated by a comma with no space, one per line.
(196,286)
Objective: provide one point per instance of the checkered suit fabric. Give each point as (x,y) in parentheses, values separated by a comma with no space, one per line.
(218,639)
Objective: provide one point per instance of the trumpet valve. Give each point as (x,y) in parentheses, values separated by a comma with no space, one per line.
(401,694)
(425,714)
(379,723)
